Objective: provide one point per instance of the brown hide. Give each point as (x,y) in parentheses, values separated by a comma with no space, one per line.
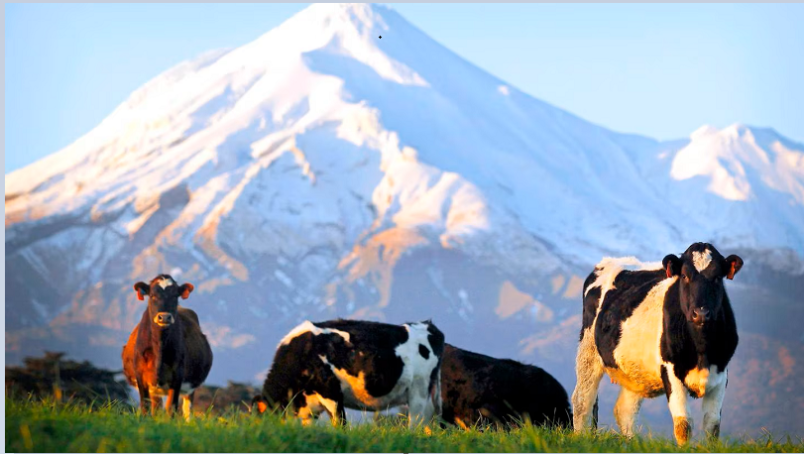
(197,354)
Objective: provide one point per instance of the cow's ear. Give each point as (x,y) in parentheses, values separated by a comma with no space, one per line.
(672,265)
(142,288)
(733,265)
(186,289)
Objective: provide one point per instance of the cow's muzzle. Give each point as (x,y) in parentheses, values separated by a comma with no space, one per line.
(700,315)
(164,319)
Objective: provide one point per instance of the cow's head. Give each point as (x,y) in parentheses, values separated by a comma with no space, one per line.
(163,298)
(700,272)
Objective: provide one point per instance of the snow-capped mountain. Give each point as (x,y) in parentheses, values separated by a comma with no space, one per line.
(320,171)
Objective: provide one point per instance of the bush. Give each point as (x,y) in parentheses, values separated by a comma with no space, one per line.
(51,376)
(234,395)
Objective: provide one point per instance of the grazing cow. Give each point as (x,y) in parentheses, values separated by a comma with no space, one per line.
(331,365)
(658,329)
(476,386)
(166,354)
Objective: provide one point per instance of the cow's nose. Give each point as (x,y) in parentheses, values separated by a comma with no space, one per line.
(700,315)
(164,318)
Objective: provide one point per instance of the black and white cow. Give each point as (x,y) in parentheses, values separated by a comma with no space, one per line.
(331,365)
(663,328)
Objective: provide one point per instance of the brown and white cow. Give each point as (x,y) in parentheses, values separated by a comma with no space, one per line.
(663,328)
(338,364)
(166,354)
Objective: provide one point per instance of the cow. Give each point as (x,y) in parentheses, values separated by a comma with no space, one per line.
(662,328)
(477,387)
(333,365)
(166,353)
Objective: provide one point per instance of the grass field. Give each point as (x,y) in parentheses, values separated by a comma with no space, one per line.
(33,426)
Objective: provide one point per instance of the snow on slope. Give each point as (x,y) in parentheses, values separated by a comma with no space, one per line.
(440,128)
(744,186)
(739,158)
(295,175)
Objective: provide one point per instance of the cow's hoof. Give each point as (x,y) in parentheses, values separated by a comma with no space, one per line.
(682,430)
(714,432)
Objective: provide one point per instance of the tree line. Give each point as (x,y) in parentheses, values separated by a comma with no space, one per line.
(53,376)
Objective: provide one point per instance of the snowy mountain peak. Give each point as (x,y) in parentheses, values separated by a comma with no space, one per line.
(704,131)
(440,148)
(279,73)
(363,16)
(739,158)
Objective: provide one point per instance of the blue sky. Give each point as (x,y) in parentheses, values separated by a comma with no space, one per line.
(657,70)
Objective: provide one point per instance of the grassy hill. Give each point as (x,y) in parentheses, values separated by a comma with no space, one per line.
(36,426)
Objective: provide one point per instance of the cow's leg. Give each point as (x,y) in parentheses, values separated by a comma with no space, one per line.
(335,410)
(171,403)
(418,412)
(331,399)
(589,371)
(307,416)
(314,405)
(626,409)
(337,415)
(713,403)
(187,405)
(156,400)
(307,412)
(176,398)
(677,402)
(144,397)
(420,405)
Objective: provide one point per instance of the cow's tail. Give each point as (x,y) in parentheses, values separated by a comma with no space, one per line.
(435,390)
(436,339)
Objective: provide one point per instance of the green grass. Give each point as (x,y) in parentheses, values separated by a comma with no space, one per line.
(36,426)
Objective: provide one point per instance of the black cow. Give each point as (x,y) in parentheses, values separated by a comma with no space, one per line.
(331,365)
(166,353)
(658,329)
(477,387)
